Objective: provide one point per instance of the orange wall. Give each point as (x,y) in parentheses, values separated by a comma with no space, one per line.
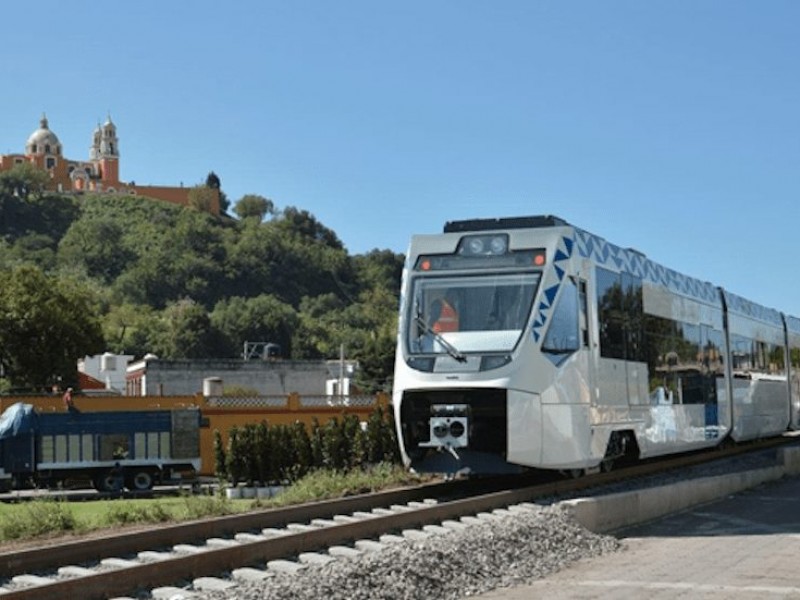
(110,167)
(175,195)
(221,419)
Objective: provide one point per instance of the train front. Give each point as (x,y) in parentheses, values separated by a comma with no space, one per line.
(465,355)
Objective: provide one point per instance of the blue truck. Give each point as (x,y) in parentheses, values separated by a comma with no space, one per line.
(112,449)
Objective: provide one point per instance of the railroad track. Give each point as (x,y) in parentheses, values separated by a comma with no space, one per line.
(198,552)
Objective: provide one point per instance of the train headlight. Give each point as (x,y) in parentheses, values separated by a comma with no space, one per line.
(457,428)
(498,245)
(475,245)
(484,245)
(440,429)
(447,431)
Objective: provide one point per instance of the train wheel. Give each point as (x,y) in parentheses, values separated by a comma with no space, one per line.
(108,482)
(139,481)
(573,473)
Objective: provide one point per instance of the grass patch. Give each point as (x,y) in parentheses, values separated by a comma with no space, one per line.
(326,484)
(128,512)
(34,519)
(200,507)
(37,518)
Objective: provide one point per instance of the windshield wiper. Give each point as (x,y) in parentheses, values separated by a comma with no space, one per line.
(449,348)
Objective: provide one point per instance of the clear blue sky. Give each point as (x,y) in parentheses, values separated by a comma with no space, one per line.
(669,126)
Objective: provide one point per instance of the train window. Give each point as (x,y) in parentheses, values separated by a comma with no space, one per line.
(776,359)
(752,355)
(742,354)
(633,315)
(562,336)
(713,351)
(683,360)
(584,317)
(609,314)
(794,358)
(473,314)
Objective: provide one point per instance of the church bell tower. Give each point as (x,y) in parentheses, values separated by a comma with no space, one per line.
(105,152)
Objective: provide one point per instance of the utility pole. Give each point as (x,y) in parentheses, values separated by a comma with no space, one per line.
(341,369)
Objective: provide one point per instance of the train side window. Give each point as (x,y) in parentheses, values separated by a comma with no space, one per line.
(794,360)
(753,355)
(562,336)
(742,354)
(633,317)
(713,351)
(776,359)
(610,315)
(584,314)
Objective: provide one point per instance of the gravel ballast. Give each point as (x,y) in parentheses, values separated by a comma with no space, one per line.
(500,552)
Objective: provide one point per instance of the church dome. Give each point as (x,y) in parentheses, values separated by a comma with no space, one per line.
(43,141)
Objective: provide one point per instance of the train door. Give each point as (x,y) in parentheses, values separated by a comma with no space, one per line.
(793,326)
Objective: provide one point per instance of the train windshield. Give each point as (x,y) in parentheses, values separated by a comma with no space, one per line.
(477,313)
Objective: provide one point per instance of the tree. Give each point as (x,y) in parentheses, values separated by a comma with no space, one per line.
(380,269)
(274,258)
(186,332)
(213,182)
(261,319)
(254,206)
(304,224)
(203,198)
(46,325)
(99,246)
(24,180)
(35,248)
(184,257)
(131,328)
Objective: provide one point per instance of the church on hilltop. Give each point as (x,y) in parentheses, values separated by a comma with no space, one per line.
(99,174)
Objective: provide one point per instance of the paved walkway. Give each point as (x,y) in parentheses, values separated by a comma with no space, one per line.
(744,547)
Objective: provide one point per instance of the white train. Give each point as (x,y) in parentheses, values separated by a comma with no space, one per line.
(528,342)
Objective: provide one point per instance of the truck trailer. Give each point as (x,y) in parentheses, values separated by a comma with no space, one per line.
(131,449)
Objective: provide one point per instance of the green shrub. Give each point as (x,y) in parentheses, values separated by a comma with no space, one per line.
(220,465)
(263,452)
(127,513)
(39,517)
(249,454)
(199,507)
(280,453)
(234,460)
(316,436)
(334,446)
(301,450)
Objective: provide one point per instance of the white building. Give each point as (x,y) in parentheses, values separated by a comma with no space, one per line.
(108,368)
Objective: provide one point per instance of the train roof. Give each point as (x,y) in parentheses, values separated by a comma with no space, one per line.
(609,255)
(600,251)
(504,223)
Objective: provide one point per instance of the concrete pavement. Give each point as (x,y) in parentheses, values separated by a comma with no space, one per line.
(745,546)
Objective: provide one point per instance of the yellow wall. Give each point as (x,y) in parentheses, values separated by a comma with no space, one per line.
(221,419)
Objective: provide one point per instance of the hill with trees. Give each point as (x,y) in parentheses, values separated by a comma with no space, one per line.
(85,274)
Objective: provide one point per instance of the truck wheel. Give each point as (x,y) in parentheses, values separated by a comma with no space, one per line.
(139,481)
(108,482)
